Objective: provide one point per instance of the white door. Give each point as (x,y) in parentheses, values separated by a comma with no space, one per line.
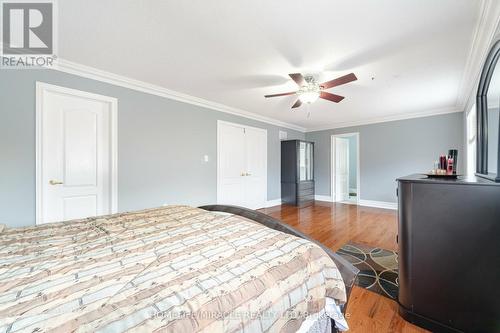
(256,168)
(341,169)
(242,165)
(231,164)
(76,160)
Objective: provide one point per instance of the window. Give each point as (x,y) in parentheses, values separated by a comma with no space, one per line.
(471,141)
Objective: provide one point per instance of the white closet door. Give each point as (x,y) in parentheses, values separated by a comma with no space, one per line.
(241,165)
(231,164)
(256,157)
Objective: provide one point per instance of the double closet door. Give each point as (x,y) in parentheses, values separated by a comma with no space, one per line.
(241,165)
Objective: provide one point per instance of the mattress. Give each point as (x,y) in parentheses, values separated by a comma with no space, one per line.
(169,269)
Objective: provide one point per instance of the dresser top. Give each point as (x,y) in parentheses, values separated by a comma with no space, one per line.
(461,180)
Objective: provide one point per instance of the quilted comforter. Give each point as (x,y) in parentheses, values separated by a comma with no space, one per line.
(169,269)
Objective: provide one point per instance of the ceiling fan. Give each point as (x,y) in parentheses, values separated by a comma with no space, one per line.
(309,90)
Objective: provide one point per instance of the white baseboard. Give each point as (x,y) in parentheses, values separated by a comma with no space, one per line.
(379,204)
(349,202)
(327,198)
(368,203)
(323,198)
(272,203)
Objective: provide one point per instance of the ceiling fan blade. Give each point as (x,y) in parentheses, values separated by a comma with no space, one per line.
(297,104)
(330,97)
(339,81)
(282,94)
(298,78)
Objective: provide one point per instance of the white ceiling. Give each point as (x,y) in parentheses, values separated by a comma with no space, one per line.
(409,56)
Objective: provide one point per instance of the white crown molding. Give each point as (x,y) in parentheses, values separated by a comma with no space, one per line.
(484,33)
(384,119)
(122,81)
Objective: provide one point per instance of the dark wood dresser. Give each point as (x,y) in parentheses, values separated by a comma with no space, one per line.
(449,253)
(297,172)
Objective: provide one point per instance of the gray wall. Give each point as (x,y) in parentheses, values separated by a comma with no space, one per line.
(353,161)
(390,150)
(161,144)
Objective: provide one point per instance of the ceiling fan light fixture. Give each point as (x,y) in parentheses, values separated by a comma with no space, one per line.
(309,97)
(310,90)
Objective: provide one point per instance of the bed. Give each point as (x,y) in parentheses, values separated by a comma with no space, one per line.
(170,269)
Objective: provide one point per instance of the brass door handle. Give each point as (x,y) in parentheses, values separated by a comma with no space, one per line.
(55,182)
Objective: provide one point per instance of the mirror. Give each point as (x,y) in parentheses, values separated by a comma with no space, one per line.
(488,117)
(493,116)
(305,161)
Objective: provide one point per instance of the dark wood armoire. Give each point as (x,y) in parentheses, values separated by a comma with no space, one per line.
(297,172)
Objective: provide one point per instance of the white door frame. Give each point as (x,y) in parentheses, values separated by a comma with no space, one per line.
(221,122)
(332,165)
(41,89)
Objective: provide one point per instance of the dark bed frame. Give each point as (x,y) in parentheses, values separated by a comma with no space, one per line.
(347,270)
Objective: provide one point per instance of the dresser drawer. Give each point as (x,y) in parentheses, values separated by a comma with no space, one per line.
(305,192)
(305,185)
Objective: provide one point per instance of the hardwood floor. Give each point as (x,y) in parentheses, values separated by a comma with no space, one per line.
(336,224)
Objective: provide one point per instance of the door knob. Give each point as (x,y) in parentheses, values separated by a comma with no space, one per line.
(55,182)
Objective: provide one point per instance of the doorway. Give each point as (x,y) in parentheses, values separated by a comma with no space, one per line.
(345,168)
(241,165)
(76,154)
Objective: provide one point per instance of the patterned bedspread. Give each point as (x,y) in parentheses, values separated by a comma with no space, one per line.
(169,269)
